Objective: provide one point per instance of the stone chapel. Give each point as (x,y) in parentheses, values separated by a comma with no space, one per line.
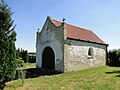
(64,47)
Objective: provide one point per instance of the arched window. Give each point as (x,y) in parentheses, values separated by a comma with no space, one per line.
(90,52)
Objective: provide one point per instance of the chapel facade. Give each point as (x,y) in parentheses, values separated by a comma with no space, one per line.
(64,47)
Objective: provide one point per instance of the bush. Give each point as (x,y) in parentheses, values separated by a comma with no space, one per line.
(20,63)
(114,57)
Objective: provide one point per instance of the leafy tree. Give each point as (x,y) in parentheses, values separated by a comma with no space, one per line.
(23,54)
(114,56)
(7,45)
(118,53)
(18,53)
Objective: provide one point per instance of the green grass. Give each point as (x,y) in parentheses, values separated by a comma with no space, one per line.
(90,79)
(27,65)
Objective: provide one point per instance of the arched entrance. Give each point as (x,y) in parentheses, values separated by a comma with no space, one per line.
(48,58)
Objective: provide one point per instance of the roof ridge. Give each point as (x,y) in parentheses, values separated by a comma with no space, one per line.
(71,25)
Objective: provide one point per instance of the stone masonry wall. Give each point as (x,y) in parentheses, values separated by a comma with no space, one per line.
(76,55)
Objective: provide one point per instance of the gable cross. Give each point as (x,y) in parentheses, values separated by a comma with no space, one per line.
(63,20)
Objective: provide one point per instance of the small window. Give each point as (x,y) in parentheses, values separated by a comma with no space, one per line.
(90,52)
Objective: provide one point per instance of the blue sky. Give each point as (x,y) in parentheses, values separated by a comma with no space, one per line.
(100,16)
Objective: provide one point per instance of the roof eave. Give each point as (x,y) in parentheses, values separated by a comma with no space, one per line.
(88,41)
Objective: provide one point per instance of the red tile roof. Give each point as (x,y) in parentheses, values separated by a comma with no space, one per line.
(81,34)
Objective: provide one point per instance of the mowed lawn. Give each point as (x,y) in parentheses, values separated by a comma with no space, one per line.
(100,78)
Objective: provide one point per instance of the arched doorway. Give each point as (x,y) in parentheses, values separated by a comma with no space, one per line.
(48,58)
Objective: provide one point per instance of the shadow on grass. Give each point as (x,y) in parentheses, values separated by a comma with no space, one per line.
(35,72)
(114,72)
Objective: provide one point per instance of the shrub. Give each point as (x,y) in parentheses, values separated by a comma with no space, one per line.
(20,63)
(114,57)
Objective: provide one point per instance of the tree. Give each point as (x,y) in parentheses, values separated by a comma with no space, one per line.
(21,53)
(18,53)
(7,45)
(118,53)
(114,56)
(25,56)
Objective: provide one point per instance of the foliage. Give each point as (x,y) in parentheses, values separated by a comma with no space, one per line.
(7,45)
(102,78)
(20,63)
(32,57)
(20,53)
(25,56)
(114,57)
(118,53)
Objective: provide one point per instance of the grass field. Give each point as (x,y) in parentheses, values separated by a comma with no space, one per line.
(101,78)
(27,65)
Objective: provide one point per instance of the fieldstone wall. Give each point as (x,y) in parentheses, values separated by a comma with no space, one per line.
(76,55)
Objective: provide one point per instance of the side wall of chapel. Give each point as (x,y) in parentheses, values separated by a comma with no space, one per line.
(76,55)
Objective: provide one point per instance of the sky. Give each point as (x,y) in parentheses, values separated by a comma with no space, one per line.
(100,16)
